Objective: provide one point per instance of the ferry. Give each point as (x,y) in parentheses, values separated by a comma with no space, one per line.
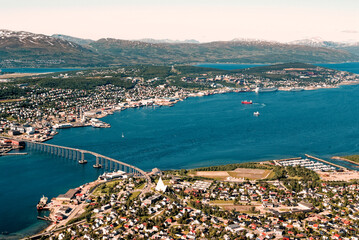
(61,126)
(267,89)
(256,114)
(247,102)
(42,203)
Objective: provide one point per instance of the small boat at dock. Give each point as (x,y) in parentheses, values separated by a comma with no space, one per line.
(42,203)
(296,89)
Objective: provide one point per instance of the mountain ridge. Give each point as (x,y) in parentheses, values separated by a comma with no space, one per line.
(25,49)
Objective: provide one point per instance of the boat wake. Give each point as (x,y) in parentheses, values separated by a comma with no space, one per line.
(261,105)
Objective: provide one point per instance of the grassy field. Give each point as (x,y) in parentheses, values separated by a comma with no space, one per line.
(222,202)
(239,173)
(141,186)
(100,191)
(242,209)
(134,194)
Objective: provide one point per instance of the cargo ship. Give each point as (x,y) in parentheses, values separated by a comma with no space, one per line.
(247,102)
(42,203)
(267,89)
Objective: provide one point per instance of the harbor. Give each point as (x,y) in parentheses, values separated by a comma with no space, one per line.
(193,137)
(307,163)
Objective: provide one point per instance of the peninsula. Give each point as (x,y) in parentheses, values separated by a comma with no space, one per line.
(33,107)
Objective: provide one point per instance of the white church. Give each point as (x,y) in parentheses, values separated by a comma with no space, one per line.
(161,187)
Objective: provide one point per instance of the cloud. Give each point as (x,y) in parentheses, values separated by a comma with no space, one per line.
(350,31)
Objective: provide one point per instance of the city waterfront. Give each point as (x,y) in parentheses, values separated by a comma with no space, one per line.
(203,131)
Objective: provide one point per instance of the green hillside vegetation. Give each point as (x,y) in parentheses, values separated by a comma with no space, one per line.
(262,69)
(354,158)
(154,76)
(11,92)
(233,52)
(80,83)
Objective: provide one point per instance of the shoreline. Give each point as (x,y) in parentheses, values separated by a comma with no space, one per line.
(88,189)
(217,93)
(170,103)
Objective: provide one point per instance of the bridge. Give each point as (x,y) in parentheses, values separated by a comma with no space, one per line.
(79,156)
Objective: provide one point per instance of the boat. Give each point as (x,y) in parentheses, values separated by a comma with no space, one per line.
(247,102)
(123,135)
(267,89)
(97,166)
(256,114)
(62,126)
(42,203)
(296,89)
(82,161)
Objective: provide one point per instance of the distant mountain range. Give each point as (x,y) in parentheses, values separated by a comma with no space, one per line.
(76,40)
(351,47)
(24,49)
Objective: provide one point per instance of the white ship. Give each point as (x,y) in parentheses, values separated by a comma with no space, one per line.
(267,89)
(63,125)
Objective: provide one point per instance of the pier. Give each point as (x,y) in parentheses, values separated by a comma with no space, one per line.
(326,162)
(346,160)
(285,159)
(12,154)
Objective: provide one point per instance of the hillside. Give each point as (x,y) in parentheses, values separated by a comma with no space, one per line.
(24,49)
(79,41)
(350,47)
(229,51)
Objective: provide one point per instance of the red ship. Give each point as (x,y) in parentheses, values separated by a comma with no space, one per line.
(247,102)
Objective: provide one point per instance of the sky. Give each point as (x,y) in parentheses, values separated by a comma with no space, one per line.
(203,20)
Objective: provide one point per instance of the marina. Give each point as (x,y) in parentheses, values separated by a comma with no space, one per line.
(307,163)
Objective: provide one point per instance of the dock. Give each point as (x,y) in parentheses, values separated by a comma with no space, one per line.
(344,159)
(45,218)
(326,162)
(286,159)
(12,154)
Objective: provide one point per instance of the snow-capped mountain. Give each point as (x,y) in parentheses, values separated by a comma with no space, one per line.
(319,42)
(19,49)
(151,40)
(13,39)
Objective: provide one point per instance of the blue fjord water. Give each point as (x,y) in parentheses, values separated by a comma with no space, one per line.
(197,132)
